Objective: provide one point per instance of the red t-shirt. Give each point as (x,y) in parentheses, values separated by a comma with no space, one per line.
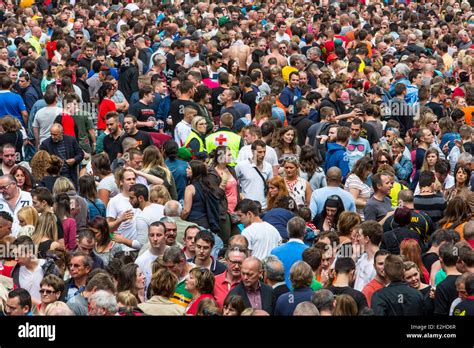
(68,124)
(193,306)
(106,106)
(7,271)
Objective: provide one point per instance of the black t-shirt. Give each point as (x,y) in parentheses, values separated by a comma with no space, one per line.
(358,297)
(338,105)
(112,147)
(143,138)
(143,112)
(216,104)
(428,260)
(177,110)
(368,132)
(41,65)
(437,108)
(250,98)
(117,61)
(446,293)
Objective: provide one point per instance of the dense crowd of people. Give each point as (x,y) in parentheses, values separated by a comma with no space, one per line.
(236,158)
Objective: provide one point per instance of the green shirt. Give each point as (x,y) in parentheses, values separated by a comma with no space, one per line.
(182,296)
(440,276)
(83,123)
(315,285)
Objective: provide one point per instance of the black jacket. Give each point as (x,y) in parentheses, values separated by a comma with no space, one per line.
(398,299)
(302,124)
(278,291)
(266,294)
(73,150)
(391,240)
(84,87)
(128,80)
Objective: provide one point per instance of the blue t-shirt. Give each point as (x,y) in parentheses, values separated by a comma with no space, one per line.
(12,104)
(278,218)
(289,253)
(356,149)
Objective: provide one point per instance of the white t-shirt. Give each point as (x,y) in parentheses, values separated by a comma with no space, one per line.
(24,199)
(365,272)
(145,218)
(262,238)
(181,132)
(108,183)
(283,37)
(128,229)
(44,119)
(251,182)
(30,280)
(246,154)
(144,261)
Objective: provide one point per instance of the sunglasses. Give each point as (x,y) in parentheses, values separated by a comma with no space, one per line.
(46,292)
(383,162)
(359,147)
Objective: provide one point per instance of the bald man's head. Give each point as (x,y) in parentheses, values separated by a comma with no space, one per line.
(36,31)
(172,209)
(251,272)
(56,132)
(334,176)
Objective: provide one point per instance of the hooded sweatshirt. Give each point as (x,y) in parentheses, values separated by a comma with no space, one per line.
(336,157)
(302,124)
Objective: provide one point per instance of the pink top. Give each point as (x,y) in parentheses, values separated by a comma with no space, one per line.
(232,194)
(69,227)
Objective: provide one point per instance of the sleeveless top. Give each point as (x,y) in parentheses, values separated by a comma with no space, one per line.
(297,190)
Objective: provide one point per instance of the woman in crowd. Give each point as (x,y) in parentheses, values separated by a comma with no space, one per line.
(105,247)
(39,165)
(263,112)
(202,97)
(106,104)
(154,164)
(201,205)
(456,214)
(310,169)
(298,188)
(448,134)
(413,278)
(27,216)
(348,232)
(233,306)
(62,209)
(200,284)
(327,220)
(88,191)
(132,278)
(345,306)
(431,157)
(53,171)
(234,72)
(229,189)
(461,188)
(285,143)
(356,183)
(24,180)
(382,157)
(410,250)
(107,187)
(196,140)
(276,188)
(402,165)
(78,204)
(51,288)
(46,234)
(159,195)
(163,284)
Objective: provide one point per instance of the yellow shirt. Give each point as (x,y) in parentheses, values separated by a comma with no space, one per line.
(34,41)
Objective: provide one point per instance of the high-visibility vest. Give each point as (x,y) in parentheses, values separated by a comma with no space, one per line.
(224,138)
(193,135)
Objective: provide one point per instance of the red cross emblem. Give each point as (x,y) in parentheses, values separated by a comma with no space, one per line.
(221,140)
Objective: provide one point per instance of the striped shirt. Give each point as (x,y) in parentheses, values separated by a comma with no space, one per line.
(433,205)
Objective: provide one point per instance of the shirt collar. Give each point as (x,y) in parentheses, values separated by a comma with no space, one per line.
(295,240)
(274,286)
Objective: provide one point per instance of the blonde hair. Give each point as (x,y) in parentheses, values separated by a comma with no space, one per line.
(58,308)
(301,275)
(46,228)
(152,158)
(63,185)
(159,194)
(195,121)
(127,298)
(29,215)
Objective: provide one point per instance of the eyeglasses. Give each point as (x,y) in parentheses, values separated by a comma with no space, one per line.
(3,188)
(79,37)
(202,124)
(234,263)
(282,47)
(435,121)
(46,292)
(359,147)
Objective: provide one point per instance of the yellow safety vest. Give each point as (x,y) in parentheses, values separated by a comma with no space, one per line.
(194,135)
(224,138)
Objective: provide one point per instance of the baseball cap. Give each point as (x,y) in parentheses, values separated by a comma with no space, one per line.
(332,57)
